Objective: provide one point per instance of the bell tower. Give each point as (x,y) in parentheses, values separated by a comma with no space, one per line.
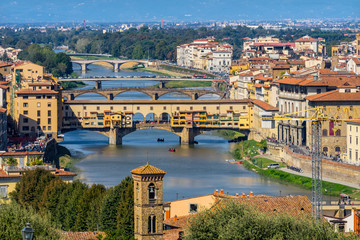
(358,44)
(148,202)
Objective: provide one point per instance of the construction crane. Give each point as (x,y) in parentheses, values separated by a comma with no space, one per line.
(317,116)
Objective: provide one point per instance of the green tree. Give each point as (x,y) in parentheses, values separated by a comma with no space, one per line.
(28,191)
(11,161)
(14,217)
(137,52)
(231,220)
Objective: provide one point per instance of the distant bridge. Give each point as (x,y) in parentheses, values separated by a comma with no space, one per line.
(111,93)
(115,62)
(236,115)
(88,54)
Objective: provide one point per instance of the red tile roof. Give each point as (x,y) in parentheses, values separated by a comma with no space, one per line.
(147,169)
(30,91)
(335,96)
(306,39)
(264,105)
(81,235)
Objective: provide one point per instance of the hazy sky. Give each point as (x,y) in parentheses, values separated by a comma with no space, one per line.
(30,11)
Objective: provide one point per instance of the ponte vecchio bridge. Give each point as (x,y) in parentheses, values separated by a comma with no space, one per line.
(154,93)
(185,118)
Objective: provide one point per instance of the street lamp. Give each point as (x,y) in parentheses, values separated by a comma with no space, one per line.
(27,232)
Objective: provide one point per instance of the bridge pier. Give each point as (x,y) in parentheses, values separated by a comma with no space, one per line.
(187,136)
(83,67)
(110,96)
(194,96)
(116,134)
(155,96)
(116,67)
(161,84)
(98,84)
(72,96)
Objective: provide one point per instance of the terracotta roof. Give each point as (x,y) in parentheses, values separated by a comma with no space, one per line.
(274,44)
(290,81)
(292,205)
(335,96)
(264,105)
(147,169)
(21,153)
(4,87)
(81,235)
(354,121)
(306,39)
(30,91)
(281,66)
(356,61)
(3,110)
(40,84)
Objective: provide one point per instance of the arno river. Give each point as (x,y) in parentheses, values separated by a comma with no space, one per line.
(191,170)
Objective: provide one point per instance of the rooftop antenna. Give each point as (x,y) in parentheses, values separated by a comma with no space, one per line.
(84,25)
(162,23)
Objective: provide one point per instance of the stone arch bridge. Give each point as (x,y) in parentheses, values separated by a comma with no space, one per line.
(111,93)
(186,135)
(115,62)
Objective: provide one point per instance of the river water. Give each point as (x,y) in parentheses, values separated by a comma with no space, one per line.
(191,170)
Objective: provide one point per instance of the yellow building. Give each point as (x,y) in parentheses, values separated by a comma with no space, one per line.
(27,71)
(38,112)
(11,174)
(5,69)
(352,141)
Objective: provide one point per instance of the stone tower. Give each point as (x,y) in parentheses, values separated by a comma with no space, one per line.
(148,202)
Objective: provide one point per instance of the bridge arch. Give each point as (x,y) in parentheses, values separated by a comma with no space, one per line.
(129,95)
(87,93)
(209,96)
(186,96)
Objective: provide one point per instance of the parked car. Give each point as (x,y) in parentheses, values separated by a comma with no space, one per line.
(273,165)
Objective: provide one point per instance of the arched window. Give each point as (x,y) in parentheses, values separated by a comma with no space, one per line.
(152,224)
(325,132)
(151,190)
(337,149)
(325,149)
(338,133)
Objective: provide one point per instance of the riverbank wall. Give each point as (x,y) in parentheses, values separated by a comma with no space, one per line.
(330,169)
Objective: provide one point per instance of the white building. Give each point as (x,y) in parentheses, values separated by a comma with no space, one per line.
(353,65)
(352,141)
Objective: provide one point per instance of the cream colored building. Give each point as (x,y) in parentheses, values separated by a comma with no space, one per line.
(352,141)
(27,71)
(38,112)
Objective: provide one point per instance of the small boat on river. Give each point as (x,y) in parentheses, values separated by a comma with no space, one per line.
(172,150)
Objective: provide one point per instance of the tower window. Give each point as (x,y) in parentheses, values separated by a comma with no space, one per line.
(151,190)
(193,208)
(152,224)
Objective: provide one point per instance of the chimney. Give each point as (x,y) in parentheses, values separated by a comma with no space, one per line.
(216,191)
(221,191)
(251,193)
(315,77)
(243,195)
(236,194)
(175,218)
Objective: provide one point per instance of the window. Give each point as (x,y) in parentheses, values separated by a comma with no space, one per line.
(38,97)
(48,97)
(337,149)
(3,191)
(98,108)
(49,113)
(356,155)
(26,112)
(49,127)
(152,224)
(25,120)
(38,121)
(325,132)
(38,113)
(350,139)
(44,128)
(318,90)
(151,108)
(25,104)
(191,108)
(25,97)
(111,108)
(137,108)
(25,128)
(49,120)
(350,154)
(338,133)
(204,108)
(49,105)
(325,149)
(164,107)
(193,208)
(357,140)
(151,190)
(244,107)
(124,108)
(84,107)
(177,108)
(231,107)
(217,108)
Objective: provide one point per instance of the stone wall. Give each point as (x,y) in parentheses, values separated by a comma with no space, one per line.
(335,170)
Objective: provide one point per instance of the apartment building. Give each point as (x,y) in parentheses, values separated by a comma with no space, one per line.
(38,112)
(352,141)
(206,55)
(308,45)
